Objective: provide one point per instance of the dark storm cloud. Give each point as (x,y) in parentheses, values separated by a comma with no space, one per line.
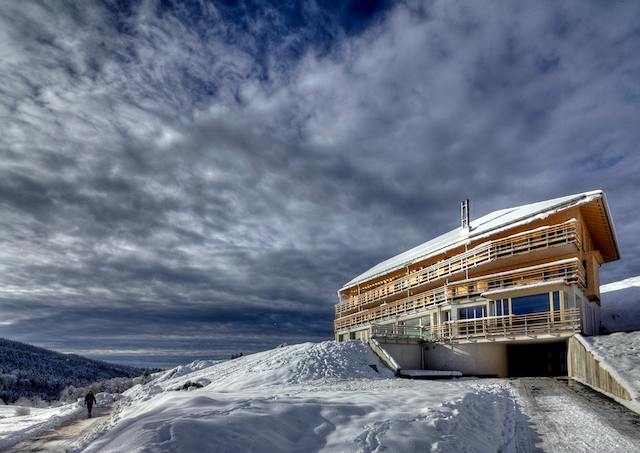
(188,180)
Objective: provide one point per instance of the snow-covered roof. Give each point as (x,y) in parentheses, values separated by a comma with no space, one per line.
(485,226)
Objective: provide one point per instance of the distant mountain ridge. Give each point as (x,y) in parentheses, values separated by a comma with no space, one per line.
(30,371)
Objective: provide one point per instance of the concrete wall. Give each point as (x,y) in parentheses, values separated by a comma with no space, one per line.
(406,355)
(384,356)
(468,358)
(585,367)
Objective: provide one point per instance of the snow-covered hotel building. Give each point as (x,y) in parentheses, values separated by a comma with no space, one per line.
(499,295)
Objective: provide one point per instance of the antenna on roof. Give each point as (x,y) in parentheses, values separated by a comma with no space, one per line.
(464,213)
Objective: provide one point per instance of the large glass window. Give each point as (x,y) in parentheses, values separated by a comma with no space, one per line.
(499,307)
(472,312)
(535,303)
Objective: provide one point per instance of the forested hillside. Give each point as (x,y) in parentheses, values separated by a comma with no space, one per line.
(29,371)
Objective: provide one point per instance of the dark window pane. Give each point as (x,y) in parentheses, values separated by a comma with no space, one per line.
(556,301)
(530,304)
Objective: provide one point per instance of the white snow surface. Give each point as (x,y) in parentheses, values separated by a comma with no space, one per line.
(620,305)
(14,429)
(417,373)
(310,398)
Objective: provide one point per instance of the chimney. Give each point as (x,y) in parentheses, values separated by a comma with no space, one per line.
(464,213)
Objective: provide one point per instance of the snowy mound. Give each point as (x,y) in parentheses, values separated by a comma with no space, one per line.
(621,305)
(285,365)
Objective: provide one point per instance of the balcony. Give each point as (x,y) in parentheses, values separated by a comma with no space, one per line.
(517,244)
(569,271)
(490,328)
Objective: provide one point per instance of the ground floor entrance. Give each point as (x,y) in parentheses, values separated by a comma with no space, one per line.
(540,359)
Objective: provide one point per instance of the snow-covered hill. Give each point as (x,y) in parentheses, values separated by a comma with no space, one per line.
(620,305)
(29,371)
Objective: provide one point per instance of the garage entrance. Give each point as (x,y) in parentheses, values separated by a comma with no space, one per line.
(546,359)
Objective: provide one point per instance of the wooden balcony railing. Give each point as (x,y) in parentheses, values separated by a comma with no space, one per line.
(510,326)
(543,237)
(569,270)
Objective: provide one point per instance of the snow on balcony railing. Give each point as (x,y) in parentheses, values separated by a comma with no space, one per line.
(525,242)
(569,271)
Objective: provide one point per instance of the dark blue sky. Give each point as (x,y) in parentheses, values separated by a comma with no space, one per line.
(193,179)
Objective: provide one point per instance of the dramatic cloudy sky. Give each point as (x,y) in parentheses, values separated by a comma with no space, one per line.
(193,179)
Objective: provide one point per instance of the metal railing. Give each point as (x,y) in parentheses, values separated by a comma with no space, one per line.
(509,326)
(525,242)
(570,270)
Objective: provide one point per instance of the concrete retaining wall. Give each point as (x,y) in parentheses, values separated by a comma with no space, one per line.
(406,355)
(582,365)
(472,359)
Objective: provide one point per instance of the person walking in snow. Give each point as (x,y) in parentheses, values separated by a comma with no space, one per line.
(89,400)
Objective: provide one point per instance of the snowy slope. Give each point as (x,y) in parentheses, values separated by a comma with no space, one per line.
(287,365)
(620,305)
(309,397)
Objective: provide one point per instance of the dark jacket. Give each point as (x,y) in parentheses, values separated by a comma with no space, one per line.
(89,399)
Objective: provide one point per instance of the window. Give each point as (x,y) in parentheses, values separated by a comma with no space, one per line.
(494,284)
(535,303)
(499,307)
(556,301)
(556,305)
(472,312)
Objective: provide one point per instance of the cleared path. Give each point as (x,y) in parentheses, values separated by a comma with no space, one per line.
(566,417)
(65,437)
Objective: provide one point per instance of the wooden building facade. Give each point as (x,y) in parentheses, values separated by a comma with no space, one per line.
(518,276)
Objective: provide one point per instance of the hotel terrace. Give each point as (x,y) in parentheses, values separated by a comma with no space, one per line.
(499,295)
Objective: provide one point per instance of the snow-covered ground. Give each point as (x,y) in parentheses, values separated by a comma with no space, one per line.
(620,310)
(16,428)
(310,397)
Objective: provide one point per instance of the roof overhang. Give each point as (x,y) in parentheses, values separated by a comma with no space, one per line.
(598,220)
